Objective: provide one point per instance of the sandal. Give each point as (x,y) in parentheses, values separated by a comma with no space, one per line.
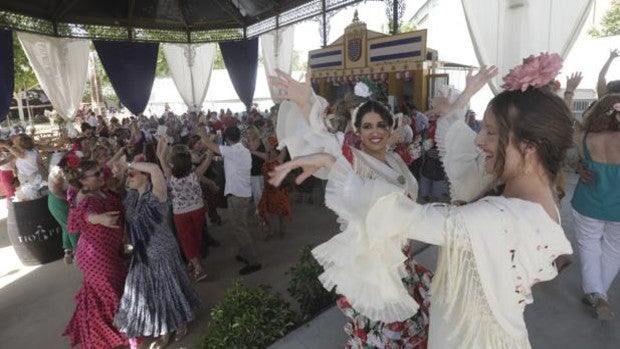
(180,332)
(68,258)
(200,275)
(161,342)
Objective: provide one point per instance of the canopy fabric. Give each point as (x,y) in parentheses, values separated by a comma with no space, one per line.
(7,77)
(190,66)
(131,69)
(61,66)
(241,60)
(277,50)
(504,32)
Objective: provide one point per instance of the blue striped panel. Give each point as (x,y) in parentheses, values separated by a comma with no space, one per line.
(328,64)
(396,42)
(395,56)
(325,54)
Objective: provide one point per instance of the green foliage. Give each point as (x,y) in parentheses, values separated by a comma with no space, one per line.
(610,23)
(24,75)
(248,318)
(218,62)
(305,287)
(162,68)
(298,65)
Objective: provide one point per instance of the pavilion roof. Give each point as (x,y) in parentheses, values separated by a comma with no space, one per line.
(160,20)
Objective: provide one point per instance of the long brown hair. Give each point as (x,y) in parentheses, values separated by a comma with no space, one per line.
(602,117)
(537,117)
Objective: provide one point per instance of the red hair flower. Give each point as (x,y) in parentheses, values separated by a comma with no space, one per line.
(536,71)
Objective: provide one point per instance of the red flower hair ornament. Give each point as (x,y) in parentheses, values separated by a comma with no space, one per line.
(536,71)
(71,160)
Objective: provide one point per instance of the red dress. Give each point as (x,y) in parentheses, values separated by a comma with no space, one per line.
(274,200)
(98,257)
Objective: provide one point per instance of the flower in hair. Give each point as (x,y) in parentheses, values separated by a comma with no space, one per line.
(71,160)
(615,108)
(362,90)
(536,71)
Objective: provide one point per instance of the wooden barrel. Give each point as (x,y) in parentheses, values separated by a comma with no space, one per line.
(34,233)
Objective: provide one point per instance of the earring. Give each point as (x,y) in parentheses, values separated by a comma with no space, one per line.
(527,167)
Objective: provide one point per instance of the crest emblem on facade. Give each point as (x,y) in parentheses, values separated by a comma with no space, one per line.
(354,49)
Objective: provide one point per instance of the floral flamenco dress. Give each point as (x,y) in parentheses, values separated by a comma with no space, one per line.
(302,138)
(98,257)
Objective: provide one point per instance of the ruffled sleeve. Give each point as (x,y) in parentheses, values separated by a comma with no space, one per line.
(463,162)
(304,136)
(365,261)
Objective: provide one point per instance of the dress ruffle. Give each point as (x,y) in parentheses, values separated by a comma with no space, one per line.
(364,264)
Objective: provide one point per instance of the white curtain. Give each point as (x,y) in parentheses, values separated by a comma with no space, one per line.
(504,32)
(277,51)
(191,65)
(61,67)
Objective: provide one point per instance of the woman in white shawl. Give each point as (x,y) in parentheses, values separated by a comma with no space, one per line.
(493,250)
(373,124)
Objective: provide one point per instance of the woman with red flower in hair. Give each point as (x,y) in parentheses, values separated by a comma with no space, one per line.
(96,214)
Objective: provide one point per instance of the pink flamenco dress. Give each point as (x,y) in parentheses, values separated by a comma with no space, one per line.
(104,271)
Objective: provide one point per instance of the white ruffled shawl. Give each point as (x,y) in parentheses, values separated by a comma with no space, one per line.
(492,252)
(302,136)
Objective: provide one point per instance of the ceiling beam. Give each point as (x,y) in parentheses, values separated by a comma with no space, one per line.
(231,10)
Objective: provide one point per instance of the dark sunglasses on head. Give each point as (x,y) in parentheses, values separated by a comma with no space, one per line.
(95,174)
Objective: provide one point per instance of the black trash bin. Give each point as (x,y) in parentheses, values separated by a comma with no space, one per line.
(34,233)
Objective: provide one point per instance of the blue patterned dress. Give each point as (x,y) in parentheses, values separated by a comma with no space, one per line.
(158,297)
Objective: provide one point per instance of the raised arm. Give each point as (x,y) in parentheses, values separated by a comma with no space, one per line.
(162,152)
(297,92)
(601,84)
(204,164)
(571,85)
(160,189)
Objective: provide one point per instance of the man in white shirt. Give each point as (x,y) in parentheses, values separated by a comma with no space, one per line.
(238,191)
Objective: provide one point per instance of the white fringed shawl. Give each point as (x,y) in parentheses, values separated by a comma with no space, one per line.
(492,252)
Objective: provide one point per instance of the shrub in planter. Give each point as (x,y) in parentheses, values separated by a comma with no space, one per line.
(306,288)
(248,318)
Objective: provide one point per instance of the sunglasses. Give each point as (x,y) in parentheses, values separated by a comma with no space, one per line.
(133,174)
(95,174)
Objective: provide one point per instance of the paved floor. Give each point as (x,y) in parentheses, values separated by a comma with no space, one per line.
(36,303)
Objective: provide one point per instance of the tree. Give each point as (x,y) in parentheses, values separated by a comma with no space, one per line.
(25,78)
(162,68)
(610,23)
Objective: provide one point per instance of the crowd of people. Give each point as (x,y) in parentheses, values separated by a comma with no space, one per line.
(132,197)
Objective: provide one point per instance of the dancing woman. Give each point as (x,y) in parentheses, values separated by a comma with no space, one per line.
(492,250)
(373,123)
(596,203)
(158,298)
(95,214)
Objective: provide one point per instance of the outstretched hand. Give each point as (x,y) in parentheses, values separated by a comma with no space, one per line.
(573,81)
(291,89)
(309,164)
(614,53)
(474,83)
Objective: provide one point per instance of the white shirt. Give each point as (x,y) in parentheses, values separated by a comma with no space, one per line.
(92,121)
(28,165)
(237,166)
(408,133)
